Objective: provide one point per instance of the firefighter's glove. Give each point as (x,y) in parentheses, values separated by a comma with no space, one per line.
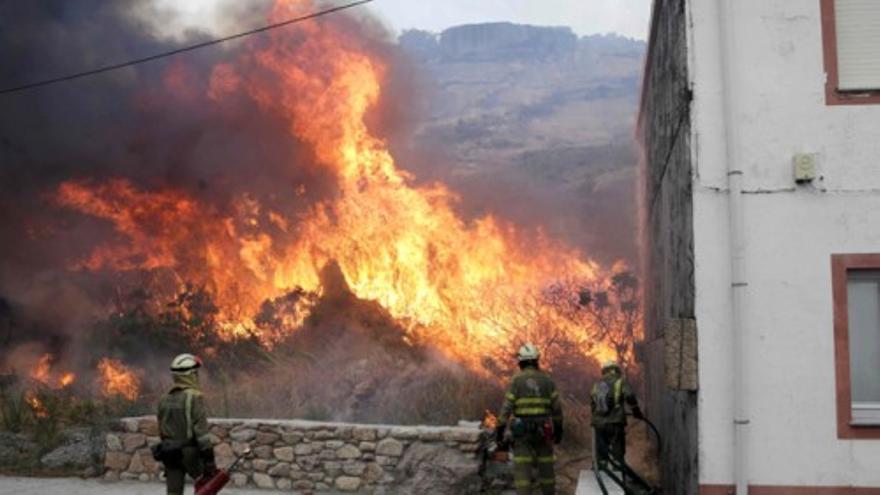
(557,433)
(207,456)
(637,413)
(499,435)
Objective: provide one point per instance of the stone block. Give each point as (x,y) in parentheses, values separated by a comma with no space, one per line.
(243,434)
(264,438)
(430,436)
(354,468)
(364,434)
(149,427)
(309,462)
(262,465)
(332,468)
(117,461)
(302,449)
(135,466)
(348,483)
(403,433)
(344,432)
(219,431)
(224,454)
(348,452)
(291,438)
(334,444)
(372,472)
(114,444)
(263,452)
(284,454)
(281,469)
(263,480)
(304,485)
(133,441)
(239,479)
(149,464)
(284,484)
(389,447)
(367,446)
(240,447)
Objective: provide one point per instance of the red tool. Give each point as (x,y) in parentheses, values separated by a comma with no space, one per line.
(216,483)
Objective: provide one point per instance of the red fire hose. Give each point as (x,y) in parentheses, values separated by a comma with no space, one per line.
(216,483)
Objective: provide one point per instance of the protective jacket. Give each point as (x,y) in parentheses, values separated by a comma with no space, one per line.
(532,394)
(182,415)
(608,397)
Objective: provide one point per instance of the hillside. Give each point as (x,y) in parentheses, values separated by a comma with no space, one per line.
(535,124)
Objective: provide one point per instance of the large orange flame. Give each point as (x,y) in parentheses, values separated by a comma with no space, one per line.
(42,372)
(117,380)
(465,286)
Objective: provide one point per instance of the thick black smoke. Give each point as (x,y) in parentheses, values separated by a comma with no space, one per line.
(152,124)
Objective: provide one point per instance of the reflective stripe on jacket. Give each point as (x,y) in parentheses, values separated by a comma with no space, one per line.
(532,393)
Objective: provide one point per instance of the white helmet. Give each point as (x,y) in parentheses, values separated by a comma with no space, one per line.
(528,352)
(185,364)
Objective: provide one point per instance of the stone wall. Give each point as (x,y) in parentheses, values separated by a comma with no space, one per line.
(668,247)
(309,456)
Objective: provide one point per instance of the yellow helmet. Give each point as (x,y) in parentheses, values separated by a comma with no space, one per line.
(610,364)
(528,352)
(185,364)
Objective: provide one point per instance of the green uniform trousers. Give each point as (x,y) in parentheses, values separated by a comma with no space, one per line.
(610,441)
(533,465)
(176,469)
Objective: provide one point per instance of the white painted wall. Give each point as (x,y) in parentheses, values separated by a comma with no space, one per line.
(778,85)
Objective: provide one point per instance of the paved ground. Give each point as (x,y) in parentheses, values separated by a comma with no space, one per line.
(75,486)
(587,485)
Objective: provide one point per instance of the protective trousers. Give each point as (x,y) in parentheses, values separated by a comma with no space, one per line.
(610,440)
(533,454)
(176,469)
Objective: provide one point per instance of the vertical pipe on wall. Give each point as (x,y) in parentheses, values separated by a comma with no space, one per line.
(729,66)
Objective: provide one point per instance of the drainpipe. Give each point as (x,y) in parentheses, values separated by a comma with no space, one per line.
(730,93)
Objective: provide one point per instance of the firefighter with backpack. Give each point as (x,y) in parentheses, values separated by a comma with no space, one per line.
(533,410)
(183,427)
(608,401)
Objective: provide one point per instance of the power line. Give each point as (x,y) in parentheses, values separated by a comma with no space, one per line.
(157,56)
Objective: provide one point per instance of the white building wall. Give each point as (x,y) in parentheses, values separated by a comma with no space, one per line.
(779,109)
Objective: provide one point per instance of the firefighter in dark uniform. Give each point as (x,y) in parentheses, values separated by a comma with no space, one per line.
(607,403)
(183,427)
(533,410)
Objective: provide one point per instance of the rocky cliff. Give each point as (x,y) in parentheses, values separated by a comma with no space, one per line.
(537,121)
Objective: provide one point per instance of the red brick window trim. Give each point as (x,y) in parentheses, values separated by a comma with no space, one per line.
(843,266)
(834,96)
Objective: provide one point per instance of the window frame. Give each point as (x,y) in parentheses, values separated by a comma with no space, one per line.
(834,96)
(841,265)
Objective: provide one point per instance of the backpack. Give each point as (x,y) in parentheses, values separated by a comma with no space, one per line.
(606,397)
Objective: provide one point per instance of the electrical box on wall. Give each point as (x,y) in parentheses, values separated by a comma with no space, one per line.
(804,167)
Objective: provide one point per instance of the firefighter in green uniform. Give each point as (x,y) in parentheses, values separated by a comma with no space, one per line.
(607,403)
(183,427)
(536,424)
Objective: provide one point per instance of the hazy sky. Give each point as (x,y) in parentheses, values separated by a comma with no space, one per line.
(626,17)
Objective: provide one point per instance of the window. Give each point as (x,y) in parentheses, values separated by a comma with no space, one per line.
(856,287)
(851,39)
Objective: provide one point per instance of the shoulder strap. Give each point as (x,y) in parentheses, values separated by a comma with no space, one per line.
(618,390)
(188,409)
